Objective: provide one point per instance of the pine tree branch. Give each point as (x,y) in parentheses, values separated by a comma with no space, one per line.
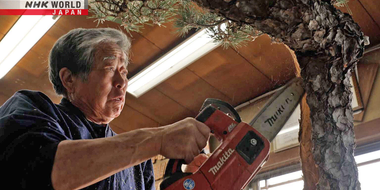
(111,2)
(212,25)
(327,42)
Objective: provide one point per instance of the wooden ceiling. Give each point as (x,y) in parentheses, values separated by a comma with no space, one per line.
(235,76)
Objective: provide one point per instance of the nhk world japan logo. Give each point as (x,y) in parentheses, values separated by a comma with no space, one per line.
(44,7)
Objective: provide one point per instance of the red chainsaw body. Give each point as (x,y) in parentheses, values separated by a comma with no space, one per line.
(242,152)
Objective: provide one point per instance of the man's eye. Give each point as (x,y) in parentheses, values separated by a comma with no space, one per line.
(125,74)
(110,68)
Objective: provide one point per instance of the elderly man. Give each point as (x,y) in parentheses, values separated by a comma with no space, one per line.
(70,145)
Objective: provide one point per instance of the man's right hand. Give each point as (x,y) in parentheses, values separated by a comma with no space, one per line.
(184,139)
(80,163)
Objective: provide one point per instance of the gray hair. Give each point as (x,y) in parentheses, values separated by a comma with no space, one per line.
(75,51)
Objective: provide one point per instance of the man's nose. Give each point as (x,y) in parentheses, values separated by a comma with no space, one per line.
(121,81)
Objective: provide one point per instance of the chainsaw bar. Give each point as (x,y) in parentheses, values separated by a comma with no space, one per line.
(270,120)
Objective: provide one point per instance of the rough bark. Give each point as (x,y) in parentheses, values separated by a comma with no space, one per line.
(333,137)
(328,44)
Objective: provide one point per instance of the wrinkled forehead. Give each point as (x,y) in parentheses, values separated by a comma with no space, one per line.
(106,52)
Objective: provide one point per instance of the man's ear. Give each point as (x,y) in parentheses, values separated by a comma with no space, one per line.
(67,79)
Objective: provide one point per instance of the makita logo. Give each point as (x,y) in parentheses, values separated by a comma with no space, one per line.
(221,161)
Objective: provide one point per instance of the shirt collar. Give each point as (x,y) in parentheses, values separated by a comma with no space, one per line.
(66,103)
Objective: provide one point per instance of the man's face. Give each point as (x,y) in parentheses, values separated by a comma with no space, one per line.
(102,96)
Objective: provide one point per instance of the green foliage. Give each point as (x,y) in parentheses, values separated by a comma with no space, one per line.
(190,16)
(342,3)
(132,15)
(231,34)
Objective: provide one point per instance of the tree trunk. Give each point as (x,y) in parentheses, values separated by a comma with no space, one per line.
(329,99)
(328,44)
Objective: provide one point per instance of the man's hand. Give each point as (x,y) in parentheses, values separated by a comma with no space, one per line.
(184,139)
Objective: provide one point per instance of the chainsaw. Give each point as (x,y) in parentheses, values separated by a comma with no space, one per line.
(244,148)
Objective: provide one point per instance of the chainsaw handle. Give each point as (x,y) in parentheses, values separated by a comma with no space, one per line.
(223,107)
(173,170)
(174,165)
(219,123)
(205,114)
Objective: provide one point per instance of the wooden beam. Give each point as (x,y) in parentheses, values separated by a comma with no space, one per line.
(232,75)
(372,7)
(269,58)
(190,90)
(367,73)
(159,107)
